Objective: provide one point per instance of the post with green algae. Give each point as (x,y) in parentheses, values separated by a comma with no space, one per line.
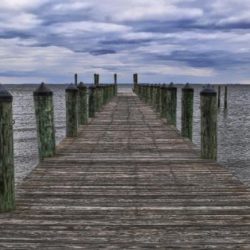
(83,110)
(208,123)
(158,97)
(219,94)
(163,104)
(7,171)
(187,111)
(151,87)
(171,104)
(71,111)
(44,110)
(92,105)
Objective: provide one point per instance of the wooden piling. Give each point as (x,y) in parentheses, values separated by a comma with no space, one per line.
(83,110)
(96,79)
(71,111)
(219,94)
(172,104)
(208,123)
(44,110)
(76,79)
(7,172)
(135,82)
(92,105)
(187,111)
(163,101)
(225,98)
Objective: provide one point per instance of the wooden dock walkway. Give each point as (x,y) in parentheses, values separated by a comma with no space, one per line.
(129,181)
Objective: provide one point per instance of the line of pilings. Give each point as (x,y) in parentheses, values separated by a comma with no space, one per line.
(163,99)
(82,103)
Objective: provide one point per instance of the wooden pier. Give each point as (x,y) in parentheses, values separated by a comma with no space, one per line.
(128,181)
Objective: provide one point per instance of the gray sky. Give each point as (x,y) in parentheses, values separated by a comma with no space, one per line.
(162,40)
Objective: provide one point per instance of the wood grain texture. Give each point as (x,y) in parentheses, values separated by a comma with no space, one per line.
(83,109)
(129,181)
(7,179)
(187,112)
(44,110)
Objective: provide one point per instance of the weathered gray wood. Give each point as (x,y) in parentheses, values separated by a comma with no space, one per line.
(187,111)
(83,108)
(7,179)
(71,111)
(44,110)
(208,123)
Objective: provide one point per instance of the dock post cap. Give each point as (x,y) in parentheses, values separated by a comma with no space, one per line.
(187,87)
(171,86)
(5,95)
(208,91)
(71,88)
(81,85)
(43,90)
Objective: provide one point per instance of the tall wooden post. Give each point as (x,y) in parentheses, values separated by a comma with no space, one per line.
(96,79)
(7,171)
(208,123)
(135,81)
(83,110)
(76,79)
(92,104)
(219,94)
(187,112)
(115,82)
(225,98)
(43,100)
(71,111)
(163,101)
(172,104)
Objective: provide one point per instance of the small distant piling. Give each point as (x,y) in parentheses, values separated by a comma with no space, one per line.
(208,123)
(44,110)
(135,82)
(116,83)
(76,79)
(71,111)
(7,171)
(83,110)
(219,95)
(96,79)
(225,98)
(187,111)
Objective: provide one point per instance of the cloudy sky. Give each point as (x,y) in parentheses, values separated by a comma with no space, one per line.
(162,40)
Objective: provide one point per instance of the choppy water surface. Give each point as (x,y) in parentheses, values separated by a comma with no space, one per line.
(233,127)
